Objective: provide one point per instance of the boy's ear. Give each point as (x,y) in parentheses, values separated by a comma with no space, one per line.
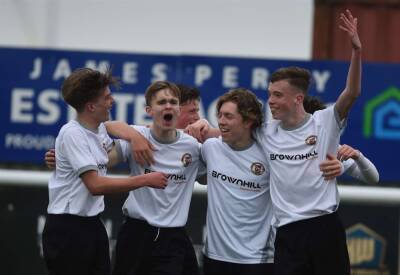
(248,124)
(300,98)
(89,106)
(148,110)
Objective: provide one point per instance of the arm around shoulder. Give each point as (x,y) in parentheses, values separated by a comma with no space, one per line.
(142,149)
(201,130)
(121,130)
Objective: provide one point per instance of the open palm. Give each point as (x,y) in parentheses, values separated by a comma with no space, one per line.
(349,25)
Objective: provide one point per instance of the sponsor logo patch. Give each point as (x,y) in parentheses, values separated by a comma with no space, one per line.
(257,168)
(311,140)
(186,159)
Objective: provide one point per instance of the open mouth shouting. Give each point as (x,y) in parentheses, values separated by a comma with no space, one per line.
(168,119)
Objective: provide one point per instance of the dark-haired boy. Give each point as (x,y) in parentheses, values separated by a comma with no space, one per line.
(310,237)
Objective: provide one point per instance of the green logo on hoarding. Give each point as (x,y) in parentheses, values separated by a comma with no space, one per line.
(382,115)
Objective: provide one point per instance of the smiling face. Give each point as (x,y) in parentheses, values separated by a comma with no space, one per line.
(100,108)
(284,100)
(287,88)
(234,131)
(164,109)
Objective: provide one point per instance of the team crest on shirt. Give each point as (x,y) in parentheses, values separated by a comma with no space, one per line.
(311,140)
(257,168)
(186,159)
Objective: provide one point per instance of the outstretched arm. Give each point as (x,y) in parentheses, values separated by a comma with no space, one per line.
(99,185)
(353,82)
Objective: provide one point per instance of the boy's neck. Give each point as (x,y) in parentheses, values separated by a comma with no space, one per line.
(87,122)
(164,136)
(296,121)
(244,143)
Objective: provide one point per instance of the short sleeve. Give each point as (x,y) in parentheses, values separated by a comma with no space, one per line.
(77,151)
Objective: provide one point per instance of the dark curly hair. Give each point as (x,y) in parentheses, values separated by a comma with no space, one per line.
(248,105)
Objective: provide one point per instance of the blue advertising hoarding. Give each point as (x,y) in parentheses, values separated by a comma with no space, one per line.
(32,110)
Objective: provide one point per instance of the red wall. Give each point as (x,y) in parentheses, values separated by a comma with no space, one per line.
(379,29)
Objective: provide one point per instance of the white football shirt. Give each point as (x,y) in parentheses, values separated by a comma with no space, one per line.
(298,189)
(239,206)
(167,207)
(78,150)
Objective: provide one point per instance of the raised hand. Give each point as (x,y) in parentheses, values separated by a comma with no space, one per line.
(349,25)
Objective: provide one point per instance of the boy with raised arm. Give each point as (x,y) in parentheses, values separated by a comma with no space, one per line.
(310,237)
